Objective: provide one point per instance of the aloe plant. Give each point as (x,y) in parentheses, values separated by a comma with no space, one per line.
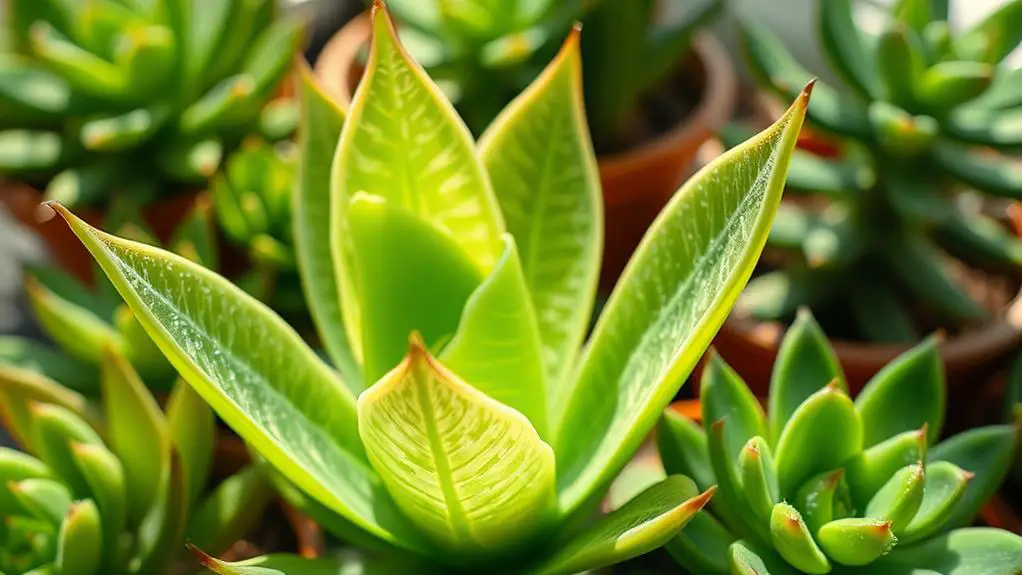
(136,99)
(451,283)
(821,483)
(928,123)
(483,53)
(116,486)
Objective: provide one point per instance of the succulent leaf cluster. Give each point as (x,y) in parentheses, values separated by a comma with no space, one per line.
(114,486)
(928,125)
(136,99)
(821,483)
(483,52)
(462,423)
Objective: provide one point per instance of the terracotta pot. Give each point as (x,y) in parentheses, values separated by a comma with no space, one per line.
(636,183)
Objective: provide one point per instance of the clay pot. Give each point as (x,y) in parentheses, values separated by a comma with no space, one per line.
(636,183)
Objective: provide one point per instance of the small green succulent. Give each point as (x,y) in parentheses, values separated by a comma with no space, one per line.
(822,483)
(928,124)
(136,99)
(484,52)
(113,487)
(452,282)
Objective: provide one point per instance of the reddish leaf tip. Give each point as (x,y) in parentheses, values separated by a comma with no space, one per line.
(700,501)
(203,557)
(807,92)
(46,211)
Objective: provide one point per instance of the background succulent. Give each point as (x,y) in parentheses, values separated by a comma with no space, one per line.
(822,483)
(137,99)
(925,123)
(114,487)
(484,53)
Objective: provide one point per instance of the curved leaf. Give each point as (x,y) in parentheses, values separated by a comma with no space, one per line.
(856,541)
(723,394)
(276,564)
(995,175)
(987,453)
(793,541)
(944,488)
(994,128)
(231,510)
(674,295)
(33,355)
(192,428)
(961,552)
(471,472)
(899,499)
(748,558)
(543,168)
(104,474)
(80,540)
(759,477)
(702,546)
(255,372)
(683,448)
(871,468)
(77,330)
(843,44)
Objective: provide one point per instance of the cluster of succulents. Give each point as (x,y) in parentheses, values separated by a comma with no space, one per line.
(927,126)
(821,482)
(136,100)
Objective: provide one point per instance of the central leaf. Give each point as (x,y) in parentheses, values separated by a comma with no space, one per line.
(471,472)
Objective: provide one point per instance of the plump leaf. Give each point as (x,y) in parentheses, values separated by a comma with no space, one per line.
(254,371)
(17,466)
(731,503)
(538,155)
(792,540)
(683,448)
(759,478)
(191,426)
(843,44)
(702,546)
(823,498)
(33,355)
(45,499)
(404,142)
(995,36)
(746,557)
(906,394)
(723,394)
(961,552)
(673,296)
(945,486)
(856,541)
(987,453)
(992,174)
(806,363)
(76,329)
(471,472)
(823,433)
(231,510)
(274,564)
(321,122)
(56,432)
(836,178)
(643,524)
(80,540)
(900,63)
(994,128)
(871,468)
(104,475)
(899,498)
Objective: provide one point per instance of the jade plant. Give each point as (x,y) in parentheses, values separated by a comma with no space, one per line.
(928,122)
(451,282)
(114,487)
(484,52)
(821,483)
(136,99)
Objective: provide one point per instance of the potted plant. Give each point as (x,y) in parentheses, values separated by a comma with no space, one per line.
(115,487)
(902,234)
(821,483)
(138,102)
(450,442)
(656,89)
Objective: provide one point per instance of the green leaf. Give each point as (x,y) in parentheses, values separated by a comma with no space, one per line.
(230,510)
(994,37)
(270,53)
(77,330)
(731,504)
(471,472)
(162,531)
(748,558)
(994,128)
(793,541)
(146,54)
(900,63)
(823,433)
(899,499)
(1004,92)
(44,499)
(823,499)
(195,237)
(16,466)
(192,430)
(274,564)
(723,395)
(104,475)
(916,14)
(854,541)
(835,177)
(906,394)
(982,241)
(946,85)
(201,35)
(987,453)
(674,295)
(34,356)
(1000,176)
(56,431)
(961,552)
(759,478)
(683,448)
(84,71)
(645,523)
(403,141)
(80,541)
(871,469)
(918,264)
(806,363)
(321,123)
(843,44)
(702,546)
(543,168)
(23,385)
(945,486)
(254,371)
(31,93)
(497,345)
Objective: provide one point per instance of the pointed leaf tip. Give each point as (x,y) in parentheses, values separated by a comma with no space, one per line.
(807,92)
(203,558)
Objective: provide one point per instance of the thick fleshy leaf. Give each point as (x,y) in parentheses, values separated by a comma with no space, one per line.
(497,345)
(538,155)
(472,473)
(855,541)
(823,499)
(17,466)
(987,453)
(702,546)
(905,395)
(899,498)
(995,175)
(45,499)
(230,510)
(723,394)
(404,142)
(731,503)
(871,468)
(792,540)
(274,564)
(56,432)
(76,329)
(994,128)
(945,486)
(40,358)
(645,523)
(318,133)
(104,475)
(806,363)
(191,426)
(254,371)
(674,295)
(759,478)
(162,531)
(20,386)
(802,452)
(80,540)
(683,448)
(961,552)
(836,178)
(745,557)
(843,43)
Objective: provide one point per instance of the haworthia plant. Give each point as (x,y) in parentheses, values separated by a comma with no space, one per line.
(114,486)
(929,120)
(822,484)
(463,426)
(136,100)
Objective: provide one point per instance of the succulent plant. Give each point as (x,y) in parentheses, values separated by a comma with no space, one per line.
(114,487)
(483,53)
(463,424)
(927,123)
(821,483)
(136,99)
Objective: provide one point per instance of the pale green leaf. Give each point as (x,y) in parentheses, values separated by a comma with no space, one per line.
(970,551)
(274,564)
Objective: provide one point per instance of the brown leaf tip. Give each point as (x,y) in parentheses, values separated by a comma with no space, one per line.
(378,6)
(807,91)
(835,476)
(45,212)
(203,557)
(700,501)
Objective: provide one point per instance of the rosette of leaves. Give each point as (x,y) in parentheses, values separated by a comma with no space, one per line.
(252,197)
(136,99)
(113,487)
(822,484)
(928,123)
(483,52)
(451,283)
